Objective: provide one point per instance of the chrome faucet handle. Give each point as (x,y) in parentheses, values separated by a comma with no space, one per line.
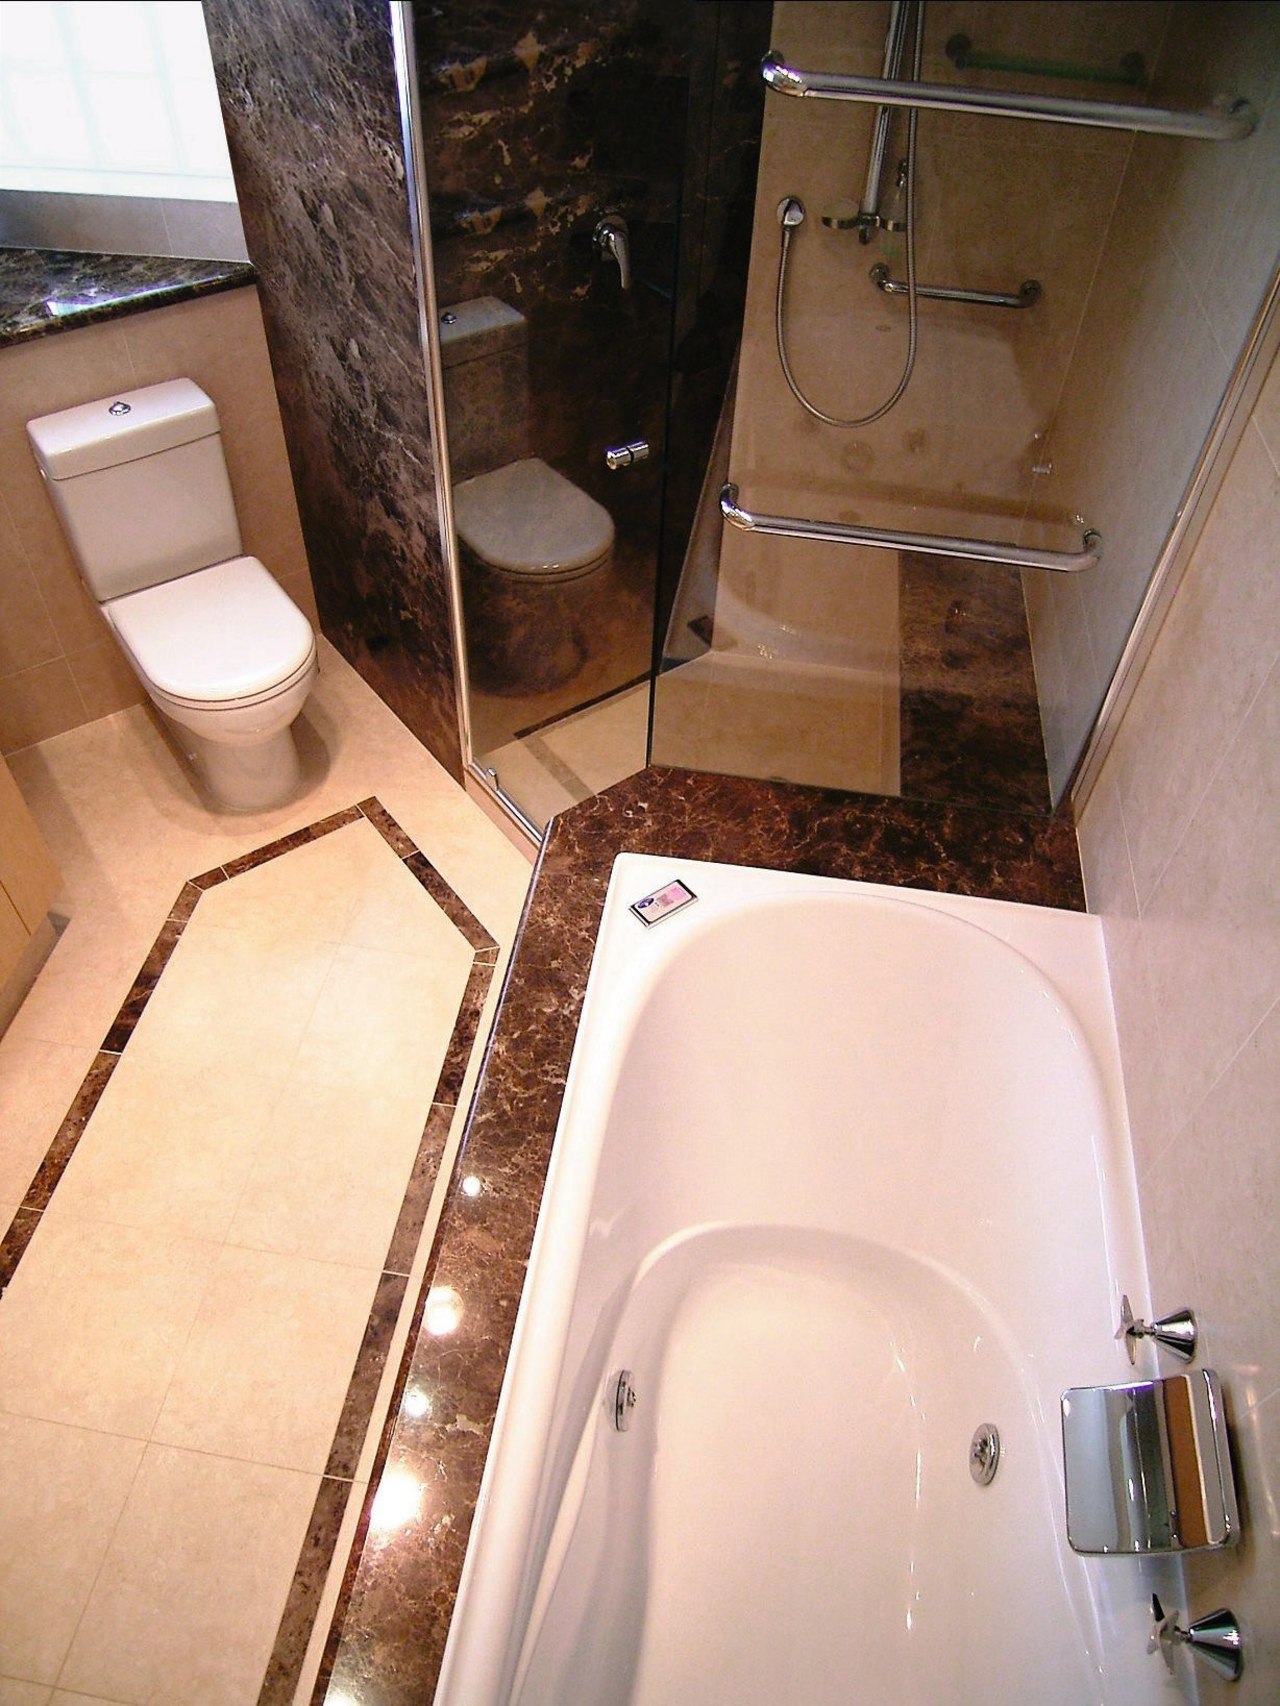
(1216,1639)
(612,239)
(1176,1332)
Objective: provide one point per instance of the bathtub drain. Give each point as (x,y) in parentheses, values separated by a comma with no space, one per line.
(984,1454)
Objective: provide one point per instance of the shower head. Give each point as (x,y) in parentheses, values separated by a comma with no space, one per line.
(790,212)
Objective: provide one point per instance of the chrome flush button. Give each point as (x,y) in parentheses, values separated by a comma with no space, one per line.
(120,408)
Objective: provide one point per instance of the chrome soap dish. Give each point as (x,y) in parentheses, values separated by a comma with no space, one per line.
(1148,1468)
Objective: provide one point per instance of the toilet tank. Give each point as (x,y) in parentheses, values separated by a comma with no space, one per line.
(140,485)
(484,351)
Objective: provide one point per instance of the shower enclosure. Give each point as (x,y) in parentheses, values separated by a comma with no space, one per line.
(898,370)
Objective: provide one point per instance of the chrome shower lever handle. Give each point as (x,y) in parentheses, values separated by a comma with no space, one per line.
(612,239)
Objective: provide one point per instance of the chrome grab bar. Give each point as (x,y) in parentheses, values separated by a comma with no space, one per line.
(1227,125)
(928,544)
(1028,291)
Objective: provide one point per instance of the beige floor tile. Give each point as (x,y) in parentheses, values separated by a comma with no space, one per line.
(331,1181)
(60,1697)
(38,1082)
(186,1608)
(224,1002)
(83,983)
(393,912)
(107,1302)
(14,1692)
(94,1321)
(63,1490)
(267,1366)
(311,891)
(168,1147)
(383,1016)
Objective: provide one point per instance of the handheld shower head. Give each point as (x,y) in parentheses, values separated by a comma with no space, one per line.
(790,212)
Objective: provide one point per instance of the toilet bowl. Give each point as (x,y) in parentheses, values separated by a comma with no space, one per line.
(225,655)
(533,551)
(229,693)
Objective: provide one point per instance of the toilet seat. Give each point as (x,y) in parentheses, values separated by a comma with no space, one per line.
(527,521)
(226,635)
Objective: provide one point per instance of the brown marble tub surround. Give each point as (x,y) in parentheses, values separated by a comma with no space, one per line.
(43,291)
(387,1641)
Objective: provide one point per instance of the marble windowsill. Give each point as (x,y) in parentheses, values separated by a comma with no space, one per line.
(388,1638)
(55,290)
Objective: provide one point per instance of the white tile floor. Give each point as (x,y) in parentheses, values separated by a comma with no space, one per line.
(176,1343)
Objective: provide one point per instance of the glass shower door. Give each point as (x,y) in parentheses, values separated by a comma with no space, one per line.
(554,140)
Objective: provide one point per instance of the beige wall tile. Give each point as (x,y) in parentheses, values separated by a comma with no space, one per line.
(27,634)
(105,679)
(1190,790)
(190,1595)
(1266,414)
(63,1491)
(1245,1577)
(1218,643)
(37,703)
(1188,255)
(1219,1186)
(218,341)
(1212,925)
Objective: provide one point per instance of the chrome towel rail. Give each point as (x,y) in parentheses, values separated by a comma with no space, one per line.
(1226,125)
(928,544)
(1028,291)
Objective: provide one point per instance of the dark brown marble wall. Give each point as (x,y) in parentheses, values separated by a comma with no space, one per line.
(309,100)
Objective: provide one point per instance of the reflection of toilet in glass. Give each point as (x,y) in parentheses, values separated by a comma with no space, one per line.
(533,548)
(141,489)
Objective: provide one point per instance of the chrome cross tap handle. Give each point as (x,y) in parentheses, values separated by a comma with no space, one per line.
(1176,1332)
(1217,1639)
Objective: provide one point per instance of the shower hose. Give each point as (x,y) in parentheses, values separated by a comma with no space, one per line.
(791,216)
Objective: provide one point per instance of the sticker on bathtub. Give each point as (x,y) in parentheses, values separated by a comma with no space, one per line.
(663,902)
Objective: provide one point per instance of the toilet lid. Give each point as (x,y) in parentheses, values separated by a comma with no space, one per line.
(529,520)
(226,632)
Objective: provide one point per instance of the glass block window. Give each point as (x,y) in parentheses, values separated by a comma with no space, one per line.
(110,97)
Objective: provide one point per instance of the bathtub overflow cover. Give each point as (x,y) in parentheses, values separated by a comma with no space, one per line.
(984,1454)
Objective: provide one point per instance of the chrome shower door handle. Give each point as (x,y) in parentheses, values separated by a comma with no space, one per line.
(612,240)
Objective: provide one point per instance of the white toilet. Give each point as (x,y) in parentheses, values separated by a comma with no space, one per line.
(140,486)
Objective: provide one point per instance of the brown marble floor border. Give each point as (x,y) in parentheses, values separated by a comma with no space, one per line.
(338,1481)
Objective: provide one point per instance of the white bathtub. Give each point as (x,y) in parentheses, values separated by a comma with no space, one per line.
(842,1173)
